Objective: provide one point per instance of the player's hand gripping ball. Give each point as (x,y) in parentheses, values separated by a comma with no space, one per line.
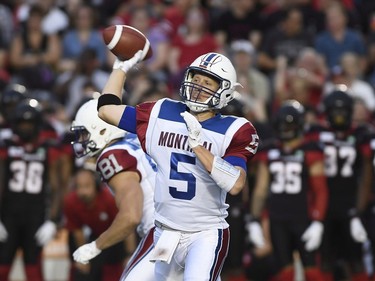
(125,41)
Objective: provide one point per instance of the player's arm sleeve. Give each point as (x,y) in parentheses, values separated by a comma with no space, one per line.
(318,185)
(243,146)
(365,184)
(128,119)
(225,171)
(143,116)
(126,163)
(260,191)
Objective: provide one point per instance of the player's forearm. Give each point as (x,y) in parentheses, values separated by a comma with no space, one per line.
(115,83)
(257,205)
(79,237)
(205,156)
(110,110)
(129,202)
(55,195)
(364,190)
(122,226)
(207,159)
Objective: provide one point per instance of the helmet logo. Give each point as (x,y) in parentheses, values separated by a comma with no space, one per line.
(209,60)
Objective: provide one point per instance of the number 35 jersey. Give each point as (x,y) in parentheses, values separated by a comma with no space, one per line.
(289,185)
(186,197)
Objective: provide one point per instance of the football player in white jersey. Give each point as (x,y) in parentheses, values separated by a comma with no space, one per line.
(130,174)
(201,156)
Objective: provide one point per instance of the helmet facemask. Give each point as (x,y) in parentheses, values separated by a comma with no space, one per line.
(216,67)
(83,144)
(340,118)
(198,97)
(92,134)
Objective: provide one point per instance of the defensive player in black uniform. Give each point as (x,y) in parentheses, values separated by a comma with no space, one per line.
(29,200)
(349,171)
(9,98)
(290,173)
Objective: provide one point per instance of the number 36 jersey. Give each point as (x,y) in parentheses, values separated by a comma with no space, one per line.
(26,173)
(186,197)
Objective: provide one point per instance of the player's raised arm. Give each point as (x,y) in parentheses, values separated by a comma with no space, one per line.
(120,41)
(110,108)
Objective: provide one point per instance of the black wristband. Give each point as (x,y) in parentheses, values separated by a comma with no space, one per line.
(107,99)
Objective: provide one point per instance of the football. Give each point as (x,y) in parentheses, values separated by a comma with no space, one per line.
(124,41)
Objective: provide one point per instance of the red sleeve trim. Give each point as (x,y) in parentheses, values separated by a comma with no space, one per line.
(143,116)
(319,197)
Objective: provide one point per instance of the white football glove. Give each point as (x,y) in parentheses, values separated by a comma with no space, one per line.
(357,230)
(255,234)
(194,128)
(86,252)
(313,236)
(3,233)
(45,232)
(128,64)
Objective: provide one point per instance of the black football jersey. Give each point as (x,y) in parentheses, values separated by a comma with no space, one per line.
(289,179)
(26,174)
(344,158)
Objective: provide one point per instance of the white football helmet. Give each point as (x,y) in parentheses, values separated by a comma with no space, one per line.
(92,134)
(218,67)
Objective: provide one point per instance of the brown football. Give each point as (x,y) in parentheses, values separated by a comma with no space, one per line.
(124,41)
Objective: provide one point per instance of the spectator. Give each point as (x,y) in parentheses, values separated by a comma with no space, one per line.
(7,26)
(195,41)
(349,73)
(256,89)
(54,19)
(241,21)
(70,85)
(288,39)
(174,16)
(302,81)
(84,34)
(33,54)
(157,64)
(338,39)
(90,209)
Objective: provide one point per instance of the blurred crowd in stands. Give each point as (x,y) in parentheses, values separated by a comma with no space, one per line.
(52,51)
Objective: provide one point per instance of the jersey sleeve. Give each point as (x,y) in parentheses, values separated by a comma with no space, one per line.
(115,161)
(244,143)
(143,112)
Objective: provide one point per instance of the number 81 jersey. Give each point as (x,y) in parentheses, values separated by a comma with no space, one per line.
(127,155)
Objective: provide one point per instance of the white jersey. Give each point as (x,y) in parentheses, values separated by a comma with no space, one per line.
(186,197)
(127,155)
